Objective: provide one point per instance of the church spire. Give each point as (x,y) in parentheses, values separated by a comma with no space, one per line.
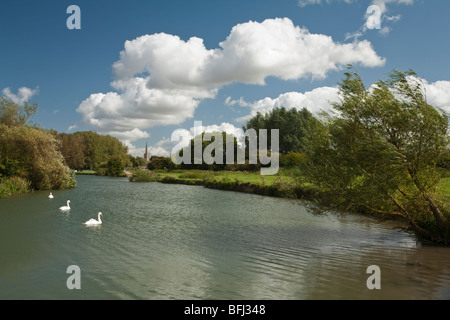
(146,154)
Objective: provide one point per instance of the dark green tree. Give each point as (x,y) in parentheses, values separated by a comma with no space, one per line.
(293,125)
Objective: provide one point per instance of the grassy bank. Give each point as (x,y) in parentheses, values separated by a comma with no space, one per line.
(86,172)
(444,185)
(13,185)
(284,184)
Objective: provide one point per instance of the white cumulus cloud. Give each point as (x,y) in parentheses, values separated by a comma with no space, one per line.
(161,79)
(438,94)
(322,98)
(316,101)
(131,135)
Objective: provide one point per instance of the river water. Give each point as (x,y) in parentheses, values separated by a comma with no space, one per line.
(165,241)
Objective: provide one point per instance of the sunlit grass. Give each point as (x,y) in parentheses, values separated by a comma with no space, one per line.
(254,178)
(444,185)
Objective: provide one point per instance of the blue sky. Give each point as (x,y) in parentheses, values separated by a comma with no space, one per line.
(218,62)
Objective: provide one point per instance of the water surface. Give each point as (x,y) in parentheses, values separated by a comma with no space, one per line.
(164,241)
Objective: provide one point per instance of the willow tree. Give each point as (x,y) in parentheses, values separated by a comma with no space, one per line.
(378,153)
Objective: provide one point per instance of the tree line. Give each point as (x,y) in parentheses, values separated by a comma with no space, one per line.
(35,158)
(294,126)
(87,150)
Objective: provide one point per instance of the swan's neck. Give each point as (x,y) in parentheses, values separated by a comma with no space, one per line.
(68,204)
(99,220)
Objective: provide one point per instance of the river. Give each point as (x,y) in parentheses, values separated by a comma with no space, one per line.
(165,241)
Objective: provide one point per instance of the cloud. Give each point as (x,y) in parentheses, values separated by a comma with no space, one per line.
(133,150)
(438,94)
(131,135)
(322,98)
(316,101)
(380,13)
(23,94)
(161,79)
(72,127)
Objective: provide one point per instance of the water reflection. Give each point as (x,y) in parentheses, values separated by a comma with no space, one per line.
(182,242)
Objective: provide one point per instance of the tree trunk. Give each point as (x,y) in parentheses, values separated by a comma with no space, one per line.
(436,212)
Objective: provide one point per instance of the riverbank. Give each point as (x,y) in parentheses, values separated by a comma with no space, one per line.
(286,184)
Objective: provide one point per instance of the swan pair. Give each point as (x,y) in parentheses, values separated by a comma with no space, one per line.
(90,222)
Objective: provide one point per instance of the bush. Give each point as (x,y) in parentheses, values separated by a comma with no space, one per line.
(161,163)
(292,159)
(139,175)
(444,160)
(192,175)
(243,167)
(34,152)
(13,185)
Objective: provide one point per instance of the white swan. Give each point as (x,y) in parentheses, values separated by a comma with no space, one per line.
(65,208)
(50,196)
(93,222)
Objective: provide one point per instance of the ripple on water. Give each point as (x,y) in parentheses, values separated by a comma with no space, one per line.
(163,241)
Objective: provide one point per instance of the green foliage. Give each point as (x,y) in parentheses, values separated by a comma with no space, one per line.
(215,157)
(161,163)
(36,151)
(216,151)
(9,167)
(193,175)
(29,156)
(11,114)
(139,175)
(138,161)
(13,185)
(444,160)
(379,154)
(72,148)
(88,150)
(293,125)
(293,159)
(115,166)
(247,166)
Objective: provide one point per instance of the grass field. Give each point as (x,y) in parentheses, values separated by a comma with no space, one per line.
(87,172)
(228,176)
(444,185)
(283,176)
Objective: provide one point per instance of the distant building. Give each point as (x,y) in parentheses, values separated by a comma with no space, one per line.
(146,154)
